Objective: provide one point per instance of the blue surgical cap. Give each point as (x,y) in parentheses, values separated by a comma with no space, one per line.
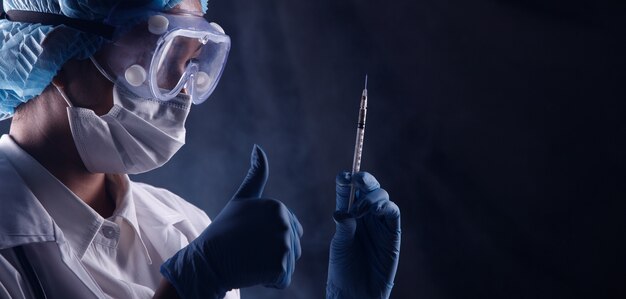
(32,54)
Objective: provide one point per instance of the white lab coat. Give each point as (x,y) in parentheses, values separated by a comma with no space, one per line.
(28,230)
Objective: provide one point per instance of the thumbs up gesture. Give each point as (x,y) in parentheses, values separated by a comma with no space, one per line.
(253,240)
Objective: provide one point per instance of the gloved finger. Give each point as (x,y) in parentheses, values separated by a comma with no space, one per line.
(288,264)
(296,234)
(294,249)
(297,226)
(345,226)
(294,252)
(365,182)
(369,195)
(343,185)
(343,242)
(368,202)
(284,279)
(254,182)
(389,212)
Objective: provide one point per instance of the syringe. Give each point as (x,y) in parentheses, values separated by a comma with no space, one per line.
(358,147)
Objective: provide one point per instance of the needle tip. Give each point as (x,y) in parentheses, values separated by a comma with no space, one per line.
(365,81)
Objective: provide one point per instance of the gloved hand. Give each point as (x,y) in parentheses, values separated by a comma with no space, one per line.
(252,241)
(365,250)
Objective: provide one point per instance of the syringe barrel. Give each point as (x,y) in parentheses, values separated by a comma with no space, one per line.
(358,150)
(358,144)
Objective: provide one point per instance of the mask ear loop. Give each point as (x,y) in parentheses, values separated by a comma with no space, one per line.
(64,96)
(101,69)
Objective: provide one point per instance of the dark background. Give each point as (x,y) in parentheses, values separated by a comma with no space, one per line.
(497,127)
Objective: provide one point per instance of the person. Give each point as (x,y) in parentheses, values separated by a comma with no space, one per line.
(98,90)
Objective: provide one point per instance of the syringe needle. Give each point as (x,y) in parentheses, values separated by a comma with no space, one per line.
(365,82)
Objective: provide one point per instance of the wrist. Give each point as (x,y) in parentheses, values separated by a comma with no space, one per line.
(165,291)
(192,276)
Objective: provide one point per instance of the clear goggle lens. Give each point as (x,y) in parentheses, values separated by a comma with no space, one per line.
(191,63)
(169,54)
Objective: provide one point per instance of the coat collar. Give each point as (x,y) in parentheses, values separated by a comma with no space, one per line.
(23,219)
(26,213)
(58,202)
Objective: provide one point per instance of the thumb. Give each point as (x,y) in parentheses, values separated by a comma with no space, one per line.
(342,190)
(254,182)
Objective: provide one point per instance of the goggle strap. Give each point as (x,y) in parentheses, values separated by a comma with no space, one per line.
(51,19)
(100,69)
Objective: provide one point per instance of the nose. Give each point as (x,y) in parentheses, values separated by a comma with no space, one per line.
(180,59)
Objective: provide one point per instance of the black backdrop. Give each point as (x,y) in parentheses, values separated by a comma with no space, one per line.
(497,126)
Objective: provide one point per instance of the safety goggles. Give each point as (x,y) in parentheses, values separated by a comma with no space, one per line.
(166,54)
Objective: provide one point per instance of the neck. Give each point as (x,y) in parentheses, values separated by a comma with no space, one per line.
(42,130)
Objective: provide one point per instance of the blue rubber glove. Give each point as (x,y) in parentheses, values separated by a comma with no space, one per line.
(365,250)
(252,241)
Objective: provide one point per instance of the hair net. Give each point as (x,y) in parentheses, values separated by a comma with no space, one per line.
(33,53)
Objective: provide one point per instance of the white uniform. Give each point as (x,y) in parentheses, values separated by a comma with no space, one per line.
(51,242)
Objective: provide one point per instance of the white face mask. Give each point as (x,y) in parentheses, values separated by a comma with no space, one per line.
(135,136)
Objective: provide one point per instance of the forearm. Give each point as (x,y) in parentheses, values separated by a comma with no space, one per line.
(165,291)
